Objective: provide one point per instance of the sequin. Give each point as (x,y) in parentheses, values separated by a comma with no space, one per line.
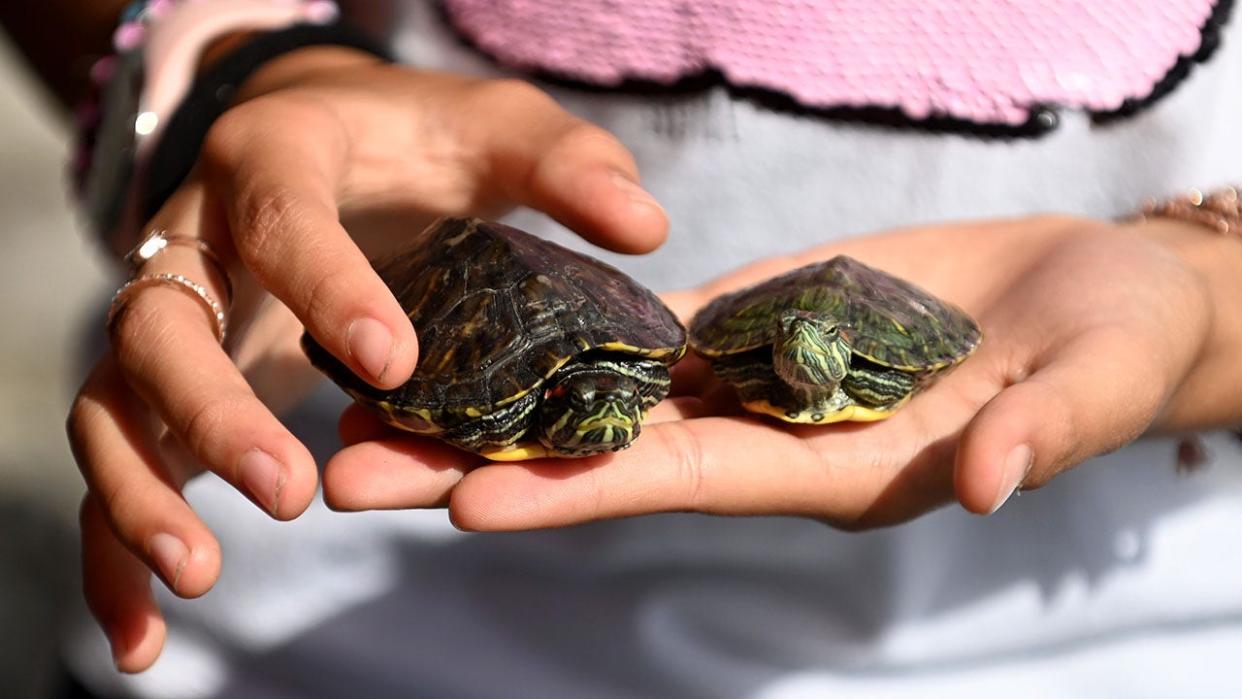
(989,61)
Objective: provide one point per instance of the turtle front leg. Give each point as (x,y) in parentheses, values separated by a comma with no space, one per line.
(761,390)
(496,434)
(879,388)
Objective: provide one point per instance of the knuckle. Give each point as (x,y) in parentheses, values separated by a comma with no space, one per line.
(581,134)
(319,300)
(207,421)
(82,413)
(576,141)
(222,145)
(143,329)
(1060,434)
(513,93)
(121,509)
(599,497)
(863,509)
(262,218)
(137,315)
(229,139)
(688,461)
(853,517)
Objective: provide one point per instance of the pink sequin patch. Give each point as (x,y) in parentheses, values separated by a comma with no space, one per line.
(987,61)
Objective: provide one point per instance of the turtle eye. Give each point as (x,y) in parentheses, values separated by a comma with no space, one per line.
(839,328)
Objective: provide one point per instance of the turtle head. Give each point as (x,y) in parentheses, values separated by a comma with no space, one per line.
(590,409)
(811,351)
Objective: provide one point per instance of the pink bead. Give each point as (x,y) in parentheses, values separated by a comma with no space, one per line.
(128,36)
(321,11)
(103,69)
(160,8)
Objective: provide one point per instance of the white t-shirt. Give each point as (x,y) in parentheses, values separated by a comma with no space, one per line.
(1120,578)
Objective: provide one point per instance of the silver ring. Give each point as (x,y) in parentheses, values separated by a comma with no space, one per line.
(159,240)
(177,281)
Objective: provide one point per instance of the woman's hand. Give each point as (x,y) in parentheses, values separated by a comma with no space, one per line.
(1094,333)
(321,135)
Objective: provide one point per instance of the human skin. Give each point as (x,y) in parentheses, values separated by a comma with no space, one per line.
(327,134)
(1095,334)
(317,136)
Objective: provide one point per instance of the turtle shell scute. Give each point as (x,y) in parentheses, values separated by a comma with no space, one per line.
(497,311)
(888,320)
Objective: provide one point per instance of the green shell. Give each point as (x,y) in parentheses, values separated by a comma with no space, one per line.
(889,321)
(497,311)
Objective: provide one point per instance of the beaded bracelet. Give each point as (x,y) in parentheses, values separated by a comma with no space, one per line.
(171,161)
(157,45)
(1220,210)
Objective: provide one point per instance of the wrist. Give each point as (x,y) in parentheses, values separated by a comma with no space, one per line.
(1210,393)
(139,88)
(278,59)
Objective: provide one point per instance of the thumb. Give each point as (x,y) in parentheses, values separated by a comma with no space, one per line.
(1074,407)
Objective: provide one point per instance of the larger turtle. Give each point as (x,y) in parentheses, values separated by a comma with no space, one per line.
(832,341)
(526,348)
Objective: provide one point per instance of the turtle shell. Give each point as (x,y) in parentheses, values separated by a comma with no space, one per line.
(889,321)
(497,311)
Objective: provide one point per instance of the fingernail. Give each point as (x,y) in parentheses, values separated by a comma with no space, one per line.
(639,197)
(370,344)
(1013,471)
(263,477)
(170,555)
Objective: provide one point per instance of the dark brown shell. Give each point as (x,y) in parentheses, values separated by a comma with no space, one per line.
(497,311)
(890,321)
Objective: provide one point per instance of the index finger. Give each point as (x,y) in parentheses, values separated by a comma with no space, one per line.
(732,466)
(276,169)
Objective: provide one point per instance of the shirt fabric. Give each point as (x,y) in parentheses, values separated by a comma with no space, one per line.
(1120,578)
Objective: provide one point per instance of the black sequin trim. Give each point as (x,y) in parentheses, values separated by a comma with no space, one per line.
(1043,118)
(1209,41)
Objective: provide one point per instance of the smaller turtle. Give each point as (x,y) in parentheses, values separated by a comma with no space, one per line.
(526,349)
(830,342)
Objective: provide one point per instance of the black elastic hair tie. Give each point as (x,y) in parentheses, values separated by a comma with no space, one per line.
(212,94)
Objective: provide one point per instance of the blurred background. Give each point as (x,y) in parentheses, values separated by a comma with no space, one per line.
(53,280)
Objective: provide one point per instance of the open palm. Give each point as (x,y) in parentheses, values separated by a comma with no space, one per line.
(1090,331)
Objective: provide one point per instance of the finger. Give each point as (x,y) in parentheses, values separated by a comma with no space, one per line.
(117,587)
(174,362)
(276,166)
(135,494)
(691,376)
(399,472)
(169,354)
(678,408)
(385,468)
(714,465)
(684,304)
(1070,408)
(581,175)
(359,424)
